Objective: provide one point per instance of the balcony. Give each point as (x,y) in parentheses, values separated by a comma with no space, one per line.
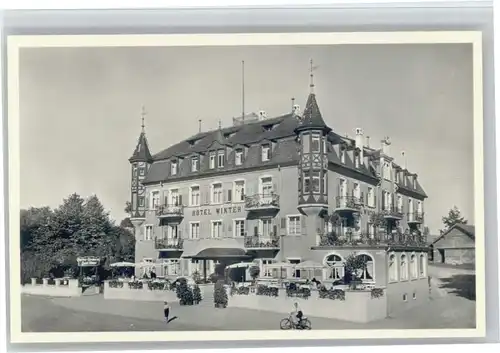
(392,213)
(416,217)
(170,211)
(262,242)
(348,203)
(262,202)
(350,238)
(169,244)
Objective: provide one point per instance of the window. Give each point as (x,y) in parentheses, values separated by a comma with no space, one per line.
(267,186)
(315,142)
(266,152)
(294,226)
(387,171)
(356,160)
(414,182)
(134,169)
(142,171)
(173,168)
(216,229)
(194,231)
(400,203)
(220,159)
(171,267)
(306,144)
(216,193)
(195,164)
(419,207)
(422,265)
(336,267)
(141,201)
(212,160)
(315,181)
(155,200)
(174,197)
(356,191)
(325,182)
(324,145)
(238,157)
(172,232)
(393,269)
(307,182)
(239,191)
(265,227)
(367,273)
(342,155)
(371,197)
(148,234)
(413,266)
(267,272)
(404,267)
(296,273)
(414,296)
(405,297)
(195,196)
(239,228)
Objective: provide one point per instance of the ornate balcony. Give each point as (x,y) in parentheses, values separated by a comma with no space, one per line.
(262,202)
(170,211)
(169,244)
(262,242)
(416,217)
(351,238)
(348,203)
(392,212)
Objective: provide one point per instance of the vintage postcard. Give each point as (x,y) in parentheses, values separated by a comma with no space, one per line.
(305,186)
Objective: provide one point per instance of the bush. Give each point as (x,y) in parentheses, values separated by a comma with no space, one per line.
(377,293)
(157,285)
(220,295)
(333,294)
(266,290)
(135,285)
(197,298)
(196,277)
(115,284)
(184,293)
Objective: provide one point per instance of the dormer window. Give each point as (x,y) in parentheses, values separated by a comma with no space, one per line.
(266,152)
(195,164)
(342,155)
(173,168)
(315,142)
(268,127)
(211,161)
(220,159)
(356,160)
(238,157)
(414,182)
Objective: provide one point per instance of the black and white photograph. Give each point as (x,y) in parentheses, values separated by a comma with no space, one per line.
(299,185)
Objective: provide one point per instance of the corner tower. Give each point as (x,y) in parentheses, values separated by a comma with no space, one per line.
(140,162)
(312,134)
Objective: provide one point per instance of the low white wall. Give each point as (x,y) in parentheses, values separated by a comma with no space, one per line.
(144,294)
(70,289)
(358,306)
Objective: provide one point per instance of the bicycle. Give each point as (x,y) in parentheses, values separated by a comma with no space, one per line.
(289,323)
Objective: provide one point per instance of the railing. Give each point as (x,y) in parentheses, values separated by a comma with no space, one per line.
(392,212)
(349,202)
(259,241)
(170,210)
(262,201)
(361,239)
(416,217)
(169,243)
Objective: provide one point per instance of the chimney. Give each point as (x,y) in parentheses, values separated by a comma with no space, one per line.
(359,144)
(262,115)
(296,110)
(366,159)
(386,143)
(403,154)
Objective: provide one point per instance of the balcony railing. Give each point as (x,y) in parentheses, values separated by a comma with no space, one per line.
(348,203)
(348,238)
(392,212)
(169,243)
(416,217)
(165,211)
(262,201)
(260,241)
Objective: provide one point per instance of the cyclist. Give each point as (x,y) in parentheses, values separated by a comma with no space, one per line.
(298,314)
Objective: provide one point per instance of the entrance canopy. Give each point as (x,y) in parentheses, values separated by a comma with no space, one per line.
(219,253)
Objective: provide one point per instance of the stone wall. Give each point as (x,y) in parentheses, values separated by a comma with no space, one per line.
(60,288)
(142,294)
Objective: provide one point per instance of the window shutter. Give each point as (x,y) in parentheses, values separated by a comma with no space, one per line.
(180,200)
(256,231)
(283,222)
(362,196)
(275,230)
(229,195)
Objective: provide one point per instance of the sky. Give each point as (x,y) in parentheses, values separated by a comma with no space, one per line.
(80,109)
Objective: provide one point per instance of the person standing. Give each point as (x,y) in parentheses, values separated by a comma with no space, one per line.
(166,311)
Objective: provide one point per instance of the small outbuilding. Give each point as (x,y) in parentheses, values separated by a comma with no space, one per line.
(456,246)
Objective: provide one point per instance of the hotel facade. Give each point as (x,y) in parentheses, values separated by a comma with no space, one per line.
(281,189)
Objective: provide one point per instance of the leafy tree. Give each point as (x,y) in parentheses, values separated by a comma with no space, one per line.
(128,207)
(354,266)
(126,223)
(454,217)
(254,272)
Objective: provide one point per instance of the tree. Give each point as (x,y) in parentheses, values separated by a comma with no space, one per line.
(254,272)
(126,223)
(454,217)
(128,207)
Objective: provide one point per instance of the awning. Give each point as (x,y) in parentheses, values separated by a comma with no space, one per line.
(310,265)
(241,265)
(122,264)
(218,253)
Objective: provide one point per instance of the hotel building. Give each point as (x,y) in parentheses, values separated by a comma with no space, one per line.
(281,189)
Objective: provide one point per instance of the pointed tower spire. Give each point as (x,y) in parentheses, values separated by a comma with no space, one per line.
(311,75)
(141,152)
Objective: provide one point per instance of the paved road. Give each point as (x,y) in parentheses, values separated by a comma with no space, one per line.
(93,313)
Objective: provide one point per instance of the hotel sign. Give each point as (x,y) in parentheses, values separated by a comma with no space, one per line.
(219,211)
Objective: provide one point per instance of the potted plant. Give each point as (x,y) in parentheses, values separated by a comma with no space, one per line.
(220,295)
(254,272)
(197,294)
(354,267)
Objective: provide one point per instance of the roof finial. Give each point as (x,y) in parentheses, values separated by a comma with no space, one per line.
(143,116)
(293,103)
(220,125)
(311,84)
(243,91)
(199,125)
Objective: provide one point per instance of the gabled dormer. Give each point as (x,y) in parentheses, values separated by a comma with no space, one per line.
(266,147)
(240,152)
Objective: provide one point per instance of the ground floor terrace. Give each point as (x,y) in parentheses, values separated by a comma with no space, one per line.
(447,308)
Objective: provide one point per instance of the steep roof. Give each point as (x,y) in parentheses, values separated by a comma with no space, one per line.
(141,152)
(467,229)
(312,119)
